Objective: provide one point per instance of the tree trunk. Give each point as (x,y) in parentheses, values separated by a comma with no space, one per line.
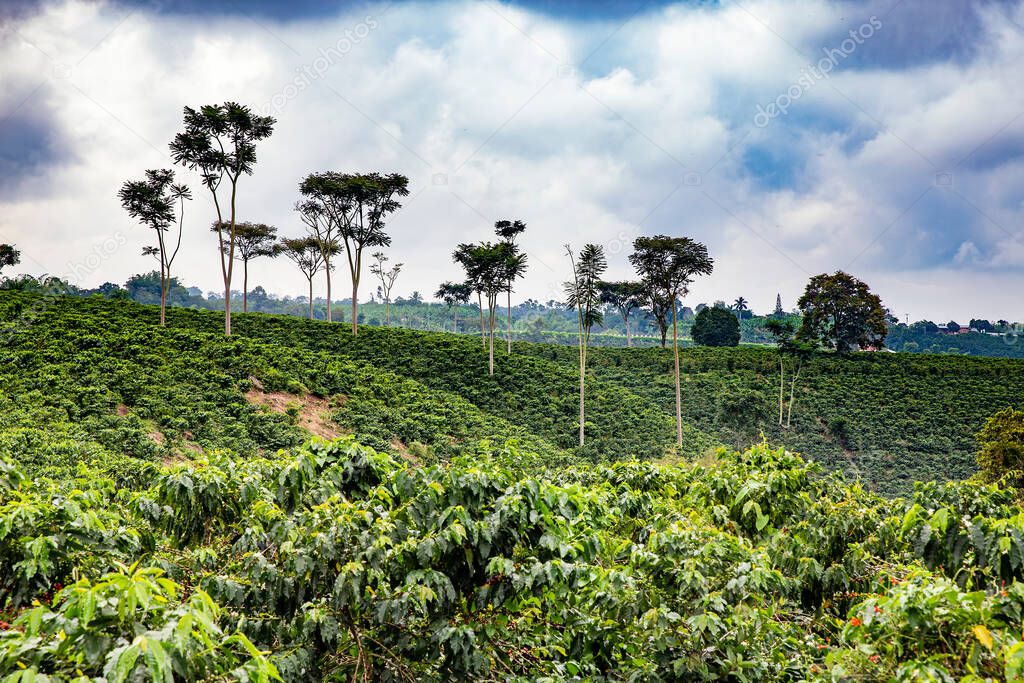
(629,335)
(227,307)
(310,298)
(327,269)
(509,333)
(163,297)
(455,322)
(245,286)
(679,396)
(230,268)
(480,305)
(355,305)
(491,304)
(664,332)
(782,387)
(792,393)
(583,369)
(387,312)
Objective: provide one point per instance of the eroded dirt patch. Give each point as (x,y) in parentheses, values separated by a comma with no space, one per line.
(312,413)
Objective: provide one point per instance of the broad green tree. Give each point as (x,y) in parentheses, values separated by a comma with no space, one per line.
(515,268)
(624,297)
(464,255)
(152,202)
(667,267)
(486,265)
(322,210)
(716,327)
(9,256)
(583,294)
(454,294)
(219,141)
(307,254)
(840,312)
(252,241)
(387,280)
(370,198)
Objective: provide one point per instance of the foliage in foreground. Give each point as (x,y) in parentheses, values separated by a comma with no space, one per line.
(337,562)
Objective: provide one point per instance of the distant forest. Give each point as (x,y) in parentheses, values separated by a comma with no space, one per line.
(550,321)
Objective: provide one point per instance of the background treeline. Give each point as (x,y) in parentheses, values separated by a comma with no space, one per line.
(548,322)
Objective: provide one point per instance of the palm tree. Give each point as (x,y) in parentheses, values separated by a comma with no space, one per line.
(740,304)
(515,267)
(584,295)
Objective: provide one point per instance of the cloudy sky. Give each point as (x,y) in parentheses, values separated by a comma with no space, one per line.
(884,137)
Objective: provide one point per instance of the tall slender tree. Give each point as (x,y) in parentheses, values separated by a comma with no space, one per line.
(152,201)
(624,297)
(454,294)
(795,350)
(387,280)
(583,294)
(219,141)
(308,255)
(252,241)
(508,231)
(486,266)
(322,211)
(667,266)
(464,255)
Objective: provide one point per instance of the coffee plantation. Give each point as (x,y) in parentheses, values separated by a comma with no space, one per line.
(162,519)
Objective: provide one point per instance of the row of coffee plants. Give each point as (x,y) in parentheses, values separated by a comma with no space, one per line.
(337,562)
(91,380)
(888,419)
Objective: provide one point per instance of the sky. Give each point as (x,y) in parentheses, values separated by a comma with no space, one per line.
(884,137)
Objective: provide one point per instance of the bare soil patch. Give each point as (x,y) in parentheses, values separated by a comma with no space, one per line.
(314,413)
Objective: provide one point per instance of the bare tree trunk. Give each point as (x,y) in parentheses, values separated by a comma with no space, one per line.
(510,321)
(480,305)
(227,307)
(229,271)
(455,322)
(163,294)
(583,363)
(629,334)
(387,312)
(491,305)
(355,306)
(245,286)
(679,395)
(327,269)
(792,393)
(782,387)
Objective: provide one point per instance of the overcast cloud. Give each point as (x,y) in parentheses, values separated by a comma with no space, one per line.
(903,164)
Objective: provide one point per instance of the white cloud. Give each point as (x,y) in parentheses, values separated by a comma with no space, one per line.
(599,154)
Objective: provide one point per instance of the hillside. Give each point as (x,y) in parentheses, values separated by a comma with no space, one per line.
(100,374)
(887,419)
(165,516)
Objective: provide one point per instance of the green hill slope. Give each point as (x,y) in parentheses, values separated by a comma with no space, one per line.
(887,418)
(87,379)
(534,393)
